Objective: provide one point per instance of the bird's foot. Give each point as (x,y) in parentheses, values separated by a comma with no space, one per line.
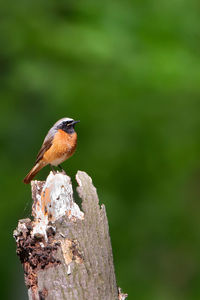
(53,170)
(62,170)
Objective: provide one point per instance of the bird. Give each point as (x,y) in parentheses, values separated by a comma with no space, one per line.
(59,144)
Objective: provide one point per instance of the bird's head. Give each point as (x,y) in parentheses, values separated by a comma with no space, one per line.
(66,124)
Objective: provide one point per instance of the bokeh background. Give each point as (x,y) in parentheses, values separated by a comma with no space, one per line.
(130,71)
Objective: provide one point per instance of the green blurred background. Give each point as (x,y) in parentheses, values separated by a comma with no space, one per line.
(130,71)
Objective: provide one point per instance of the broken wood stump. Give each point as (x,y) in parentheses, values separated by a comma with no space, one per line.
(66,253)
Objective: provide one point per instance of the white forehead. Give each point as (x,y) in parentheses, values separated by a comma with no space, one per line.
(63,120)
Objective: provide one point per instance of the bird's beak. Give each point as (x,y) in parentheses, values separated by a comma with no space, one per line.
(74,122)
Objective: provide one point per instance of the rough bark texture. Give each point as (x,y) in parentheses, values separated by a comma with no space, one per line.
(66,253)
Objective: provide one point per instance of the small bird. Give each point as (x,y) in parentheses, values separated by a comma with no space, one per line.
(59,144)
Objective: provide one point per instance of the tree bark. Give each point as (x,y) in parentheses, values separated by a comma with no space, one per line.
(66,253)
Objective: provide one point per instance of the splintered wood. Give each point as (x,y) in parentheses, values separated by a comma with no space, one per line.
(65,252)
(54,201)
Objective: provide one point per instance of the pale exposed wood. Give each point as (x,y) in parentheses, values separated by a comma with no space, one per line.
(66,253)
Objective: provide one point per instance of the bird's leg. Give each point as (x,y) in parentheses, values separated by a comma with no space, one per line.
(53,170)
(62,170)
(60,167)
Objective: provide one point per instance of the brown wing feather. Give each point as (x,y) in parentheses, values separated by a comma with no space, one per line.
(46,144)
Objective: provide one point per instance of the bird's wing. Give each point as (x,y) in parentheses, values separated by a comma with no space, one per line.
(46,144)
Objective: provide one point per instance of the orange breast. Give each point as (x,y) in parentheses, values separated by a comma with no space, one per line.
(63,146)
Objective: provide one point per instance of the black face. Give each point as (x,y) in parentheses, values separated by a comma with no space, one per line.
(68,126)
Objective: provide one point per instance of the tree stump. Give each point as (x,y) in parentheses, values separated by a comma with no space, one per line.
(66,253)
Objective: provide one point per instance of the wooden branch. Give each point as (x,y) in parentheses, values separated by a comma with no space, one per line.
(66,253)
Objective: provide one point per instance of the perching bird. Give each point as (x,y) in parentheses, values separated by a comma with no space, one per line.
(59,144)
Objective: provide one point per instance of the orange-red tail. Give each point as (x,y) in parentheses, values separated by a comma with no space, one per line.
(33,172)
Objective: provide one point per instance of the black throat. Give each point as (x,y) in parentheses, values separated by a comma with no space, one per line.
(69,129)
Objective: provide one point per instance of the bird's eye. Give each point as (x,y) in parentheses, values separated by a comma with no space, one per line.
(68,123)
